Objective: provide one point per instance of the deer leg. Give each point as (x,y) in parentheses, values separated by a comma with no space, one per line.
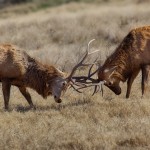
(145,72)
(27,96)
(6,92)
(130,81)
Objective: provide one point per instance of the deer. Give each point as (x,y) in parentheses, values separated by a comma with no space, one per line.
(124,64)
(19,69)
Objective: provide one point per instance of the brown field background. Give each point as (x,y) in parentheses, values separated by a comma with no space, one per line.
(59,36)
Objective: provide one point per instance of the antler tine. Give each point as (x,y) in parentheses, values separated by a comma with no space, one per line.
(75,89)
(83,79)
(102,90)
(100,87)
(91,74)
(89,44)
(96,84)
(82,60)
(95,89)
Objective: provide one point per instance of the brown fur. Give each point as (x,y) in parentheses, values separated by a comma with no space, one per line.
(19,69)
(132,55)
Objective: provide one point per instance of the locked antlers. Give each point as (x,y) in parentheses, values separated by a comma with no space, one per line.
(81,82)
(81,61)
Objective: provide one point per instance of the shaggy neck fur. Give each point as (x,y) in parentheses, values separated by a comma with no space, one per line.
(38,75)
(121,58)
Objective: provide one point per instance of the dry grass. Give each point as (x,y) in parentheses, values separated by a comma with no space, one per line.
(59,36)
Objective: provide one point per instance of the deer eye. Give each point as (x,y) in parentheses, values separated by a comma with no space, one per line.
(109,84)
(64,83)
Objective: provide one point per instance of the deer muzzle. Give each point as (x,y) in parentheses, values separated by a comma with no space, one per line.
(57,99)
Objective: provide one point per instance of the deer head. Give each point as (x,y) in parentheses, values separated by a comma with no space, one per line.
(106,76)
(110,80)
(60,84)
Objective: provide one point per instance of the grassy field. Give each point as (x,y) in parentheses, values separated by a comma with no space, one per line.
(59,36)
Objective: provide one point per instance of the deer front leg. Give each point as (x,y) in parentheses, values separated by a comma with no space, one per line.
(130,81)
(145,72)
(6,92)
(27,96)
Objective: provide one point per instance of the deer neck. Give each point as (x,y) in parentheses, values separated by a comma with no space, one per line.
(38,75)
(121,59)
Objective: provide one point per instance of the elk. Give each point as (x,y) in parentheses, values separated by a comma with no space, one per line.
(124,64)
(21,70)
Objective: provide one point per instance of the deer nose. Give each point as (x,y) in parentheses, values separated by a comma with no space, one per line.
(57,100)
(118,91)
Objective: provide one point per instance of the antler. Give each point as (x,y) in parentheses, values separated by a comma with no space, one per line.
(81,62)
(81,82)
(98,86)
(84,79)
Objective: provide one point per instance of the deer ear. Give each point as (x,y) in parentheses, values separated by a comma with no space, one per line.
(111,71)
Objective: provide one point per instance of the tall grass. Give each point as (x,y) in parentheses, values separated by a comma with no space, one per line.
(59,36)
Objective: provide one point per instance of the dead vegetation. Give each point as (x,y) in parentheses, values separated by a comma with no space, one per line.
(59,36)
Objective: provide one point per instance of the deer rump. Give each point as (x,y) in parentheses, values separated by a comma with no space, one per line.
(13,63)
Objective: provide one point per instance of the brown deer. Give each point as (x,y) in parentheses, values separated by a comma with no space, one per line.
(124,64)
(19,69)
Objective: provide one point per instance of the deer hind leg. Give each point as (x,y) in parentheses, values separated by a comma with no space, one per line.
(27,96)
(6,85)
(130,81)
(145,72)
